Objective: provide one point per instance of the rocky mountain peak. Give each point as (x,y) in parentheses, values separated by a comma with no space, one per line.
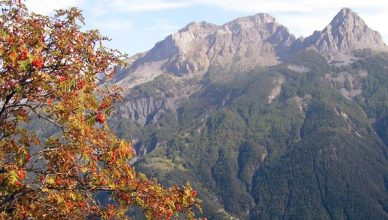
(251,41)
(264,18)
(192,33)
(260,18)
(346,15)
(261,22)
(242,43)
(195,27)
(346,33)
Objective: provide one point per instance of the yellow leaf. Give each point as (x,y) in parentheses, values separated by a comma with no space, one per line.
(73,196)
(50,180)
(84,169)
(59,200)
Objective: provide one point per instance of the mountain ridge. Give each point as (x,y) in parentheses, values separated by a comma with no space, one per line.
(245,43)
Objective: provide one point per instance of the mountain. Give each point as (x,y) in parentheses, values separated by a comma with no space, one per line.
(240,44)
(346,33)
(244,44)
(264,125)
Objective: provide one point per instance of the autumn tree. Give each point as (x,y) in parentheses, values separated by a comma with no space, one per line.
(51,71)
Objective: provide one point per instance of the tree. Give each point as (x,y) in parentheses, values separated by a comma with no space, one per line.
(50,70)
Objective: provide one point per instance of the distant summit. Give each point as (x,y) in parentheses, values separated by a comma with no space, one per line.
(346,33)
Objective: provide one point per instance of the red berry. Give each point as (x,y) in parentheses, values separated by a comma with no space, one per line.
(21,174)
(194,193)
(102,182)
(100,118)
(58,181)
(62,78)
(23,55)
(104,104)
(50,102)
(169,215)
(18,184)
(38,63)
(83,204)
(126,198)
(112,158)
(80,84)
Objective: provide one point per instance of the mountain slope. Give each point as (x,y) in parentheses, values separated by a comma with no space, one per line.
(298,137)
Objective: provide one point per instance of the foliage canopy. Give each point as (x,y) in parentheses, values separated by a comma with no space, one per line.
(50,71)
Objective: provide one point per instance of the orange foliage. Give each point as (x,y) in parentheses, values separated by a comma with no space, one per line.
(49,70)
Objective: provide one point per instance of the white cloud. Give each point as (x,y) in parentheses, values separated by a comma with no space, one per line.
(46,7)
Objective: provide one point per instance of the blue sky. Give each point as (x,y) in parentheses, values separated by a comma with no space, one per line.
(136,25)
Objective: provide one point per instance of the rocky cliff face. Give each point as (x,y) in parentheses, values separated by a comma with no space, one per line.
(192,43)
(245,42)
(142,110)
(249,42)
(346,33)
